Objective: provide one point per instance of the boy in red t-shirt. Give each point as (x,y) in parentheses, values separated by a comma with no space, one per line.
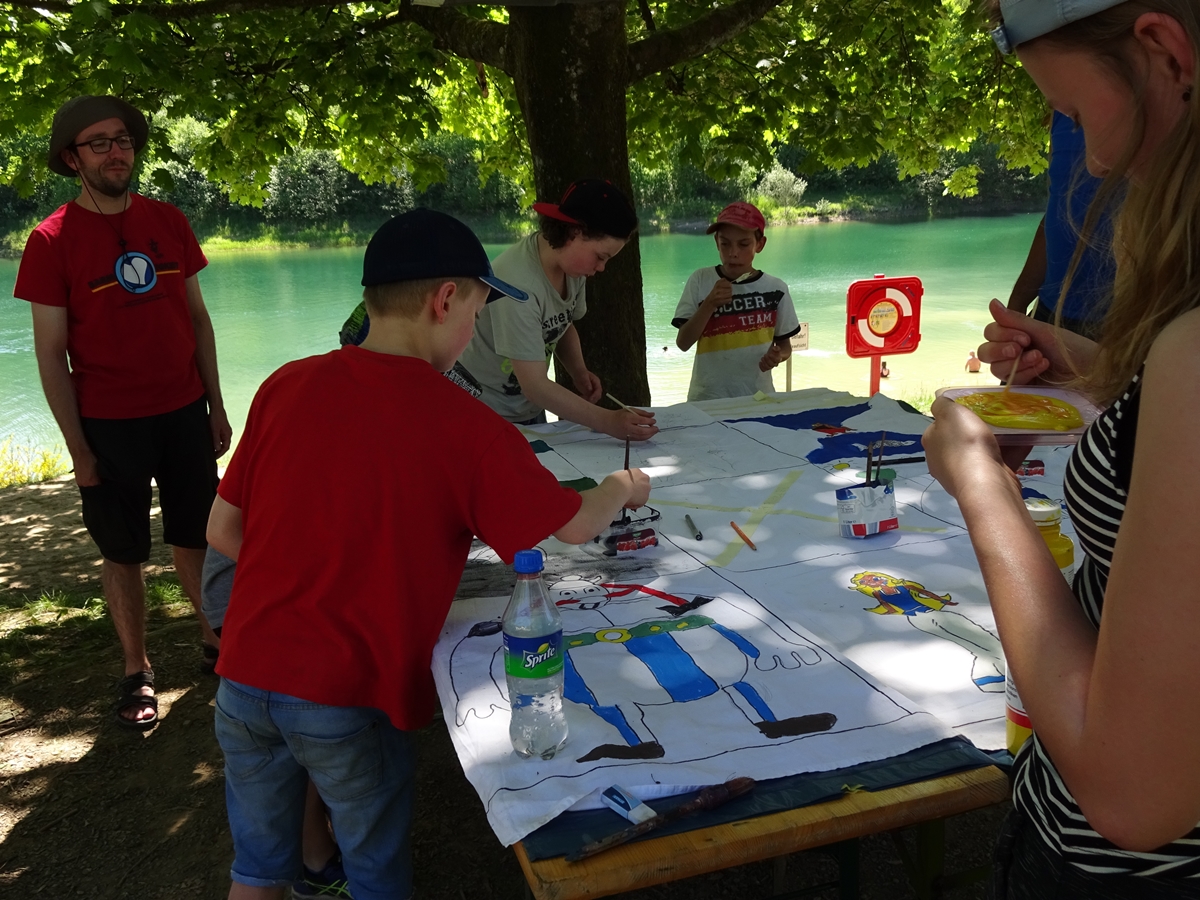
(350,506)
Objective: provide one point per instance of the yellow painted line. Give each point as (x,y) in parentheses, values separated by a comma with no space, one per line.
(733,548)
(708,506)
(799,513)
(736,509)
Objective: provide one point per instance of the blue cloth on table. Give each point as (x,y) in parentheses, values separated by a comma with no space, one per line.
(572,830)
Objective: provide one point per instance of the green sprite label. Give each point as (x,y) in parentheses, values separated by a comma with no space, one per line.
(535,657)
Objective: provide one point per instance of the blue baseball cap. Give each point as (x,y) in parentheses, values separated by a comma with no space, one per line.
(1024,20)
(423,243)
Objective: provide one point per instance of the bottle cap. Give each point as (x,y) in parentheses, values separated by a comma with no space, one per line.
(1043,510)
(527,562)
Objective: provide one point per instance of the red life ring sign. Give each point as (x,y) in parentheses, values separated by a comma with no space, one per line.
(883,316)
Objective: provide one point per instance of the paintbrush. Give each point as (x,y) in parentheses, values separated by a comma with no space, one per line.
(1012,373)
(870,453)
(709,798)
(618,402)
(624,512)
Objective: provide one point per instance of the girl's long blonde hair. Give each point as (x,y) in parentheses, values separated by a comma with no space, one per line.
(1157,227)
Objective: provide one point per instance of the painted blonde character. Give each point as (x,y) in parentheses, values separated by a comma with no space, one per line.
(926,611)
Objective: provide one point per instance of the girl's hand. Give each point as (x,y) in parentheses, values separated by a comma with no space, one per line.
(959,446)
(1012,334)
(1047,353)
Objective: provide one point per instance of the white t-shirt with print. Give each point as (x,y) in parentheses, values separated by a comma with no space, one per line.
(508,330)
(737,334)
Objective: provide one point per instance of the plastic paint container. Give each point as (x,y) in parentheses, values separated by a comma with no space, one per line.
(1047,515)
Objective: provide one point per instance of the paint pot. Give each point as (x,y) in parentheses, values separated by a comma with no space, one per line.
(867,509)
(1047,515)
(1017,727)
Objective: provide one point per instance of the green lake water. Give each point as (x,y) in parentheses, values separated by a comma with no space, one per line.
(273,306)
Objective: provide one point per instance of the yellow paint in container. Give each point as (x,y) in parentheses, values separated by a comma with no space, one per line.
(1047,515)
(1012,409)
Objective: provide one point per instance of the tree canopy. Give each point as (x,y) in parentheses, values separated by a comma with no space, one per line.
(720,84)
(554,93)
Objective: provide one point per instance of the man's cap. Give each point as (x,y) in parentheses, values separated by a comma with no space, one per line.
(742,215)
(595,203)
(80,112)
(1024,20)
(423,243)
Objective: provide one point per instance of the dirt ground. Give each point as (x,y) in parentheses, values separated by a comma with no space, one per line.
(91,810)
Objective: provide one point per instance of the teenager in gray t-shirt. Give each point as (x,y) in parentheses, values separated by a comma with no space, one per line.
(510,353)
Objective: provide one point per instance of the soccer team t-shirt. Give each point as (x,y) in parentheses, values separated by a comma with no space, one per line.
(362,479)
(131,344)
(508,330)
(737,335)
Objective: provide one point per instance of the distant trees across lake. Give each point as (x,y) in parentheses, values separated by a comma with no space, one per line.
(312,198)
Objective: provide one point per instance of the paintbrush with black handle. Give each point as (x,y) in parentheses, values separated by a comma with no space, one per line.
(709,798)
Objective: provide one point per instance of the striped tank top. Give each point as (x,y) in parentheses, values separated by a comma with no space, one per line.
(1096,485)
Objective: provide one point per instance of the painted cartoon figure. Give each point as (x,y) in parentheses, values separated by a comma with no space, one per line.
(926,611)
(673,642)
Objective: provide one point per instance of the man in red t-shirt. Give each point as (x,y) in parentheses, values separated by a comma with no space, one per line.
(128,361)
(349,507)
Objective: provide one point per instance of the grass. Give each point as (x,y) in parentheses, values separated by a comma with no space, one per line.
(921,398)
(20,464)
(37,633)
(243,231)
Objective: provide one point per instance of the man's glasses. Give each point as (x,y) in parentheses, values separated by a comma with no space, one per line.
(100,146)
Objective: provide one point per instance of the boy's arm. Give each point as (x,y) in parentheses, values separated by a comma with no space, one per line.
(225,528)
(634,425)
(780,350)
(570,355)
(628,488)
(690,331)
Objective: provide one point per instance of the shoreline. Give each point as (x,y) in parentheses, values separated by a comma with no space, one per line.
(498,231)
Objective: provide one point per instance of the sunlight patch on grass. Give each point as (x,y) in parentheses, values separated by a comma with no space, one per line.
(41,632)
(20,464)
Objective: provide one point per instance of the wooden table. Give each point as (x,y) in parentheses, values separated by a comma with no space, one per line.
(775,836)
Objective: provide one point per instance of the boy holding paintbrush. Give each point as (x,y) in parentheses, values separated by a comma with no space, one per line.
(339,595)
(740,319)
(509,355)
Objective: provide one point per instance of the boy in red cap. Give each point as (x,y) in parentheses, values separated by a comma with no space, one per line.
(510,354)
(739,318)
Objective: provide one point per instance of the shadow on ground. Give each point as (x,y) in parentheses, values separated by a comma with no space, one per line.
(91,810)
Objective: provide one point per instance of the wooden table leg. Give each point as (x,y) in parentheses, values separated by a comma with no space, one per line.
(846,854)
(926,866)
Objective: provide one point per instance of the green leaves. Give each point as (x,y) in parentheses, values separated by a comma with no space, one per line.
(963,182)
(845,79)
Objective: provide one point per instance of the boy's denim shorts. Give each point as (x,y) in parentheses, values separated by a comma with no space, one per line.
(361,764)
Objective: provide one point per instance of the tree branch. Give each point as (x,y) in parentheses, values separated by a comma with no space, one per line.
(184,10)
(663,49)
(452,32)
(647,15)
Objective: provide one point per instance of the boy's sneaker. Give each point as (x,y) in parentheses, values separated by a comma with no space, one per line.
(329,882)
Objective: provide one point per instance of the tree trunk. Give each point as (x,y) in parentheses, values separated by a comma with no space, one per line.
(569,68)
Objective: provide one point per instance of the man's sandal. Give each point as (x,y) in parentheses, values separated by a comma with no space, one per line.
(129,698)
